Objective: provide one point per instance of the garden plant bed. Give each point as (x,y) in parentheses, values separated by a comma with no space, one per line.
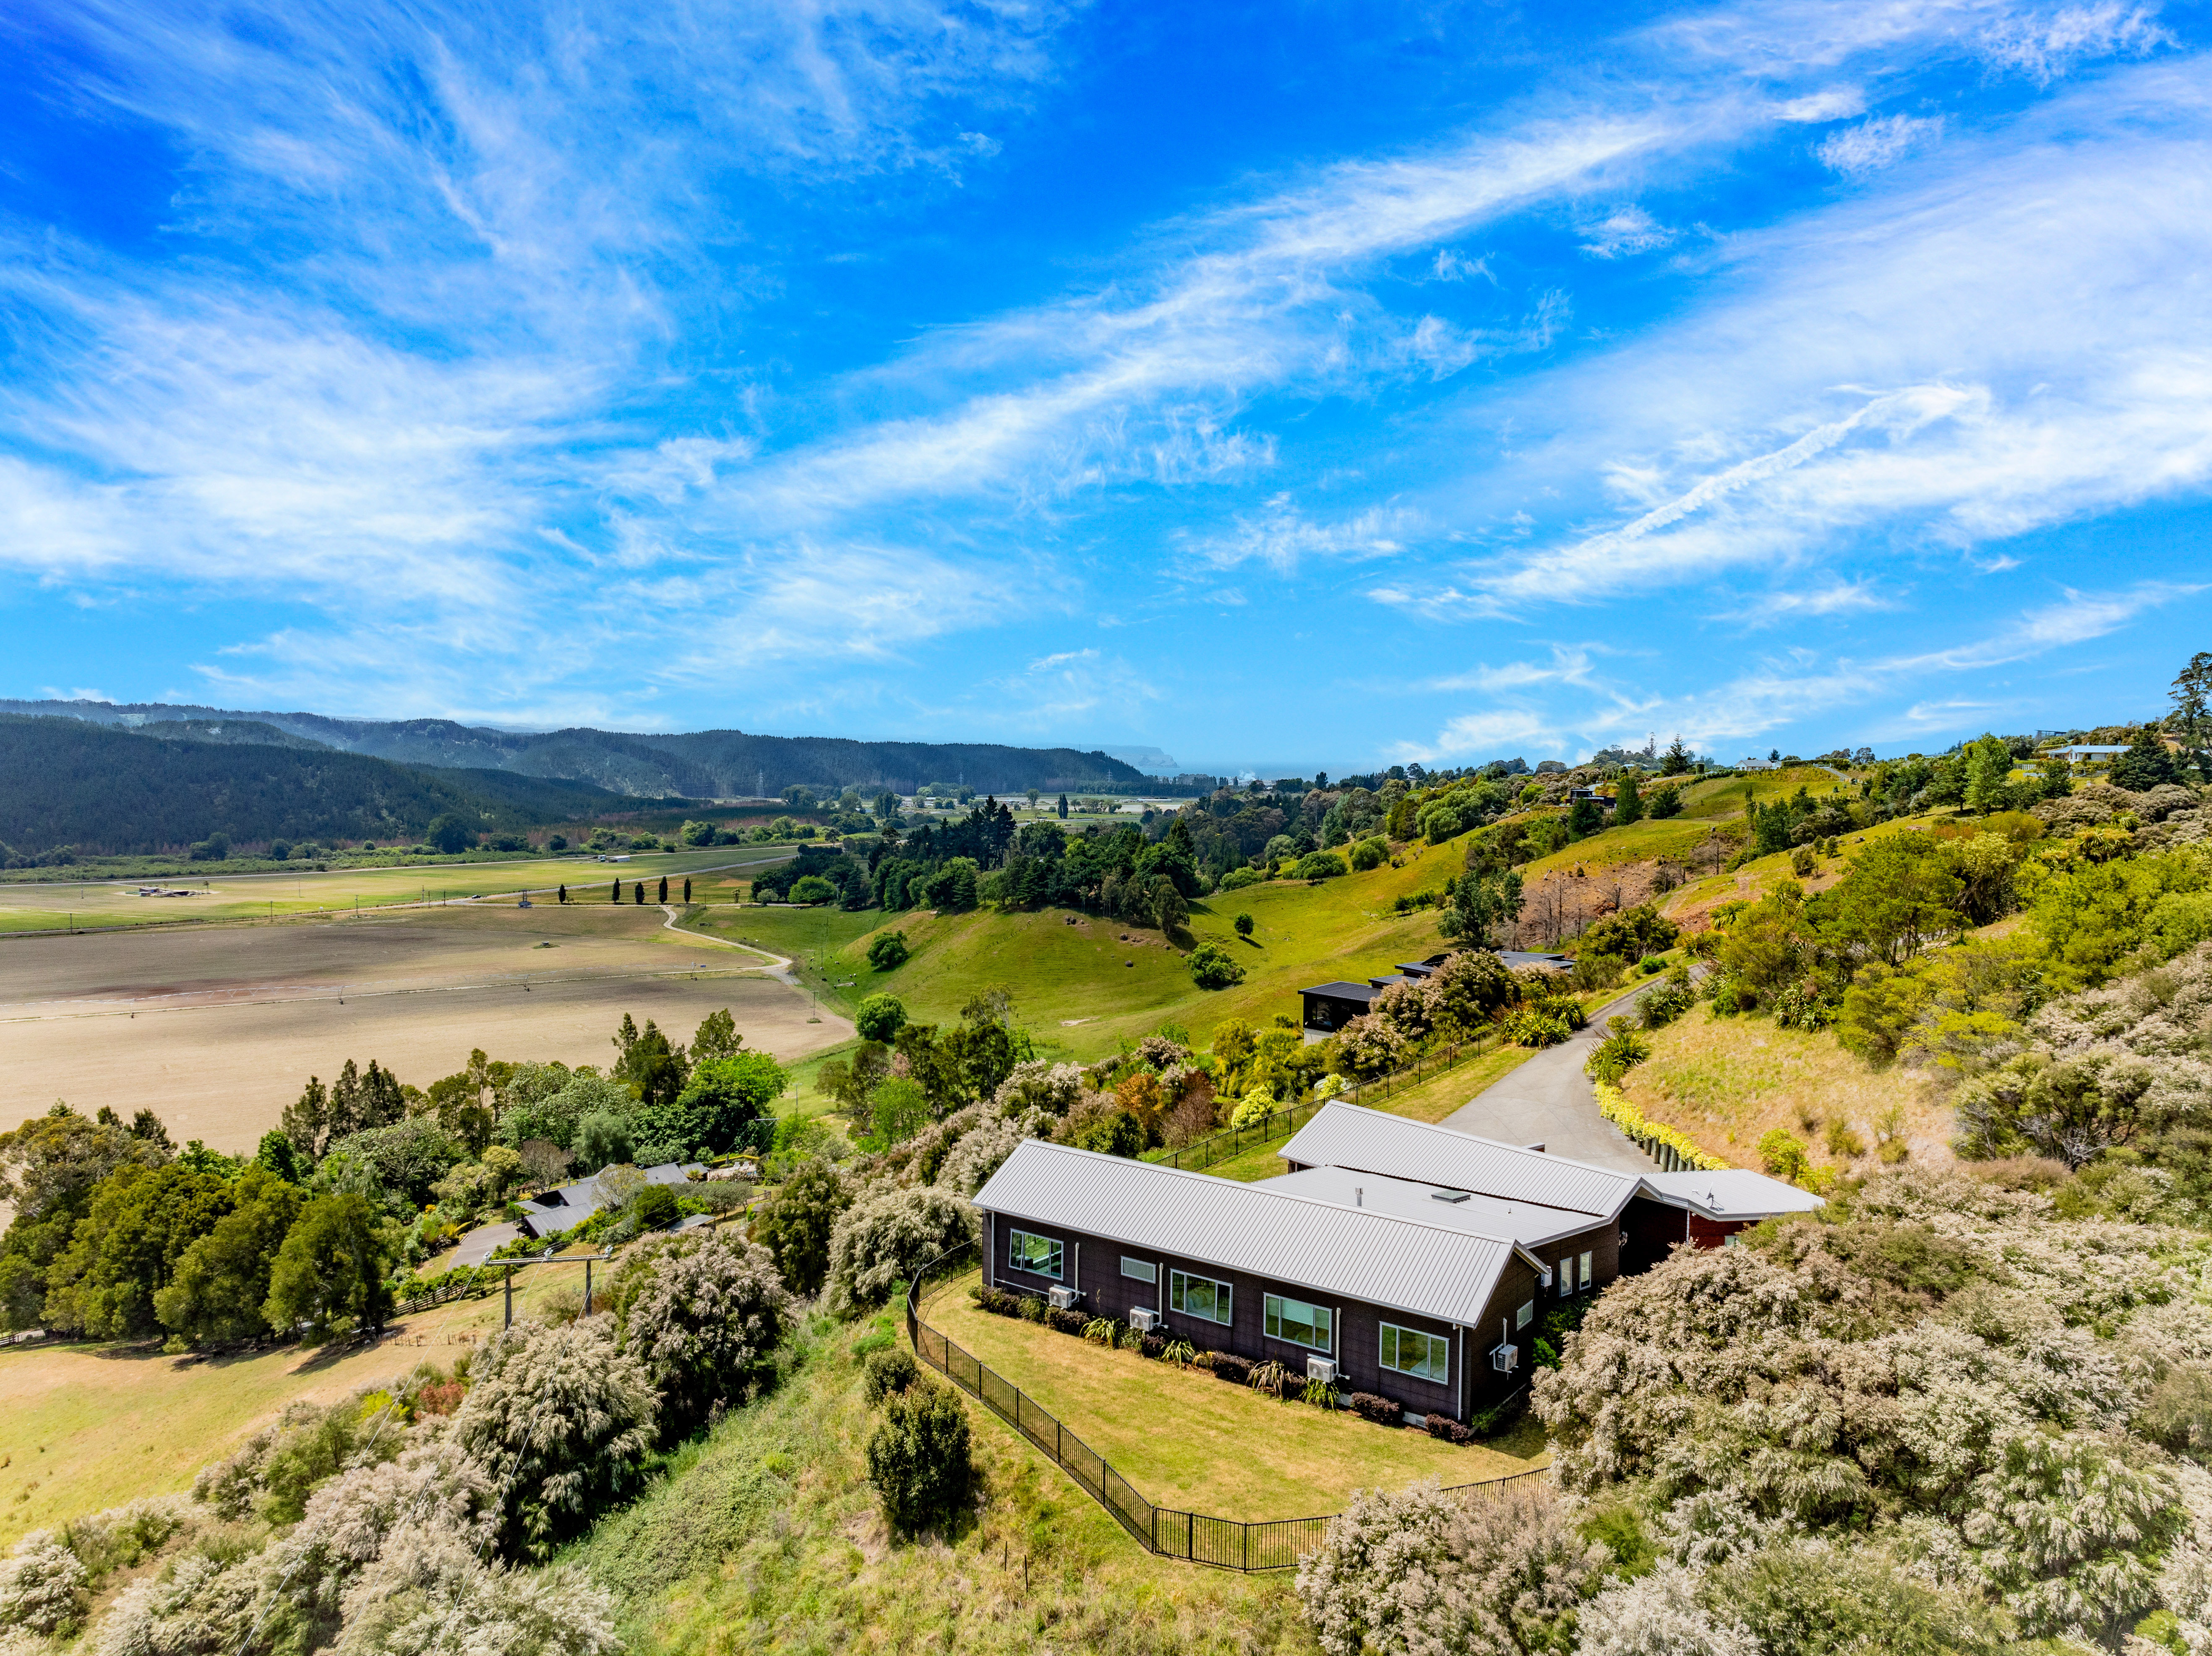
(1187,1440)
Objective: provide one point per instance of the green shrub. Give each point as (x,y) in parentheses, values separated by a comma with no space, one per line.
(1238,878)
(1368,853)
(888,1373)
(1211,967)
(1033,1308)
(1102,1331)
(655,1208)
(1621,1050)
(1842,1141)
(1320,1392)
(1530,1028)
(1782,1153)
(918,1459)
(888,952)
(1318,865)
(1270,1377)
(1667,1000)
(879,1017)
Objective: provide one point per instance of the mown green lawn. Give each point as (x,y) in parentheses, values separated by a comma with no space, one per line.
(1186,1440)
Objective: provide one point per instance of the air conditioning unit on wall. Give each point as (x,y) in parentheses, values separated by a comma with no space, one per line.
(1062,1298)
(1143,1320)
(1322,1369)
(1505,1358)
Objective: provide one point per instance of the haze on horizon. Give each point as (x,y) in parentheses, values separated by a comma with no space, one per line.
(1310,388)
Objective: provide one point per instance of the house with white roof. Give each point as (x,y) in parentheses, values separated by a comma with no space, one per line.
(1394,1257)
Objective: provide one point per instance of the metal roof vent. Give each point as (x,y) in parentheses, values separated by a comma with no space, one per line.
(1451,1196)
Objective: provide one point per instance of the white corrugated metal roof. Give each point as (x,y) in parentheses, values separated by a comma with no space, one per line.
(1348,1135)
(1526,1222)
(1731,1193)
(1431,1270)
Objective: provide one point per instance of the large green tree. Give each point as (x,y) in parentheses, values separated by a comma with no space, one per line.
(2192,711)
(220,1288)
(725,1106)
(329,1276)
(648,1064)
(125,1249)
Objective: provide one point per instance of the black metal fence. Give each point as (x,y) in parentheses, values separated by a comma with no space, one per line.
(1225,1542)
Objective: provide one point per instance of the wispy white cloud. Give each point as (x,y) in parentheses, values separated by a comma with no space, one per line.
(1771,694)
(1625,231)
(1279,536)
(1875,144)
(2047,43)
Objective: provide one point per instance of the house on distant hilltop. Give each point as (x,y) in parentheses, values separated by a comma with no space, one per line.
(1328,1007)
(1411,1261)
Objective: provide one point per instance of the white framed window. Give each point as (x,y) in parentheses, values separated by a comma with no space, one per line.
(1198,1296)
(1143,1270)
(1411,1352)
(1527,1310)
(1586,1270)
(1300,1324)
(1562,1274)
(1026,1250)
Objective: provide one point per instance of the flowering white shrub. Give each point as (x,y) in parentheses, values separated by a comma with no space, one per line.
(1659,1615)
(1429,1573)
(42,1584)
(561,1417)
(1370,1045)
(1035,1084)
(978,1155)
(1936,1353)
(429,1593)
(882,1240)
(702,1313)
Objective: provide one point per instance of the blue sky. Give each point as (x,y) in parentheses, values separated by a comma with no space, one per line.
(1273,384)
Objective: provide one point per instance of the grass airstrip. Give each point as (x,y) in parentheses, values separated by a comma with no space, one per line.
(97,905)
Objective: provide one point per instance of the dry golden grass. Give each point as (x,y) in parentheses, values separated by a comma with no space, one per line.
(217,1030)
(1725,1081)
(87,1427)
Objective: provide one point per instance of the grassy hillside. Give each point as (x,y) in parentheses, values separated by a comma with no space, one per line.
(1086,984)
(64,782)
(766,1536)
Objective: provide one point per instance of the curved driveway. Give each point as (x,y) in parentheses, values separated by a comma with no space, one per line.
(1548,1101)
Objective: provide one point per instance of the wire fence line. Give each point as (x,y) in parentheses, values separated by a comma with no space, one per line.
(1224,1542)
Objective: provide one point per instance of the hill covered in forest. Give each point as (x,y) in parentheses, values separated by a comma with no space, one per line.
(110,791)
(697,764)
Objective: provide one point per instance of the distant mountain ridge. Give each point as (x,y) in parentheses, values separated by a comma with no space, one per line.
(109,791)
(698,764)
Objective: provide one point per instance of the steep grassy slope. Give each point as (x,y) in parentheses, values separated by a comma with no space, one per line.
(766,1536)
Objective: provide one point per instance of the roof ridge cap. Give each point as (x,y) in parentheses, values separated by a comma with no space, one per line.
(1255,1188)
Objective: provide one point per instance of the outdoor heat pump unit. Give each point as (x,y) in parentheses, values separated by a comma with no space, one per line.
(1505,1358)
(1322,1369)
(1144,1319)
(1060,1299)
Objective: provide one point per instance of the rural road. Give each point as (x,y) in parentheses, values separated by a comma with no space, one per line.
(1548,1101)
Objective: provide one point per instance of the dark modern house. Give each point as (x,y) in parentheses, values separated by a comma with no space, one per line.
(1412,1263)
(1329,1006)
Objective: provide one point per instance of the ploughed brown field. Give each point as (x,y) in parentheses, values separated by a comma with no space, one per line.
(217,1030)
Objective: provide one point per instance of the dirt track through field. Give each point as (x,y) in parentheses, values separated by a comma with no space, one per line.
(218,1031)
